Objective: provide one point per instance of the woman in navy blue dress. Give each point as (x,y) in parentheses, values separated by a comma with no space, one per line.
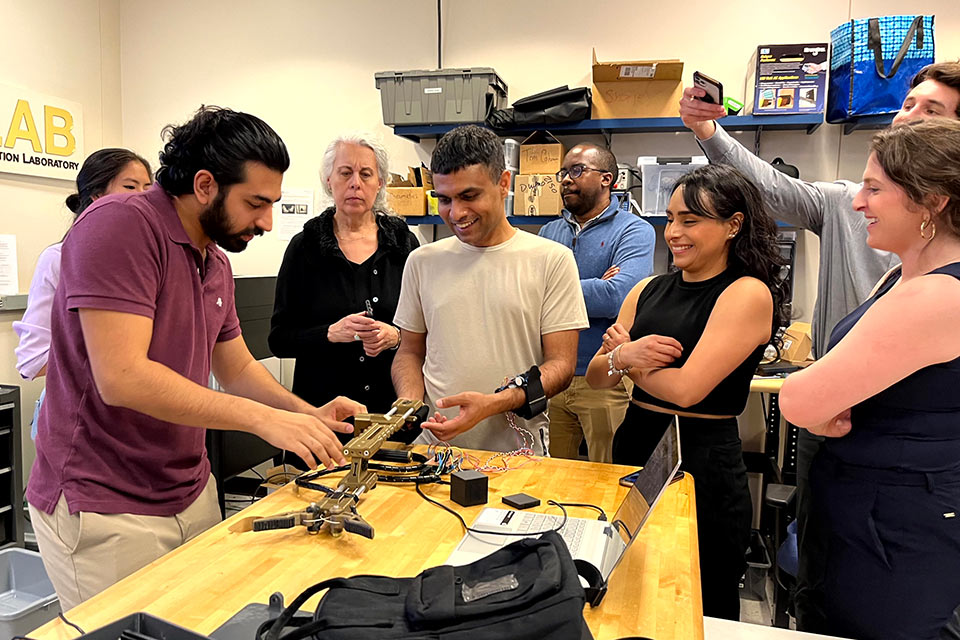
(887,396)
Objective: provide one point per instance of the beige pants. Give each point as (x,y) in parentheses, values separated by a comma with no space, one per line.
(581,411)
(86,552)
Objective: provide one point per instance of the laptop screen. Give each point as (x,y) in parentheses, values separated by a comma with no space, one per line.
(652,480)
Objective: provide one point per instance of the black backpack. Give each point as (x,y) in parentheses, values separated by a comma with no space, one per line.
(527,589)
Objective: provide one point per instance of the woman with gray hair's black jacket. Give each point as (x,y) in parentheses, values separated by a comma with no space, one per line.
(339,284)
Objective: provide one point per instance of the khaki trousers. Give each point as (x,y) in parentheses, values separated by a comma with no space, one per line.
(580,412)
(86,552)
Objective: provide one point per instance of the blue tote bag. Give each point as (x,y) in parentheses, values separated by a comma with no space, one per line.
(872,61)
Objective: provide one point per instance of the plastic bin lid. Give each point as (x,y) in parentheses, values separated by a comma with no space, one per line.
(436,72)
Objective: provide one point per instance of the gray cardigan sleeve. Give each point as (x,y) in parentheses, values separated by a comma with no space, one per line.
(796,202)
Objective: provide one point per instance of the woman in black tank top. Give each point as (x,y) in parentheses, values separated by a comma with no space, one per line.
(695,338)
(887,397)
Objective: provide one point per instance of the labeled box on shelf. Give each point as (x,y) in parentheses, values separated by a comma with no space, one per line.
(537,195)
(636,88)
(541,153)
(407,201)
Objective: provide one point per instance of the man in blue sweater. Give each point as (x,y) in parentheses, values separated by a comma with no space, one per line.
(614,251)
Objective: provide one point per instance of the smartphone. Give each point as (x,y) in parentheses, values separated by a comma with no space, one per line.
(631,478)
(713,88)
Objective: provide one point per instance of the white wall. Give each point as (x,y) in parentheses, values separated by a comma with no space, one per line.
(305,67)
(68,49)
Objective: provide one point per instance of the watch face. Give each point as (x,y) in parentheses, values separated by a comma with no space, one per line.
(518,381)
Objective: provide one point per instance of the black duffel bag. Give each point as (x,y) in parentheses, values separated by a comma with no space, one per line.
(550,107)
(527,589)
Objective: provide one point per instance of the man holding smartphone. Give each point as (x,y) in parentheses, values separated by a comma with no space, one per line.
(849,268)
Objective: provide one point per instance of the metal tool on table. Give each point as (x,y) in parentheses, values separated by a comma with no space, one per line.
(337,511)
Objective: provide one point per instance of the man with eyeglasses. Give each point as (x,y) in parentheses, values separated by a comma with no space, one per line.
(614,251)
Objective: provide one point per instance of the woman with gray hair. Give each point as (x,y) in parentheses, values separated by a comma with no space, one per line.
(339,284)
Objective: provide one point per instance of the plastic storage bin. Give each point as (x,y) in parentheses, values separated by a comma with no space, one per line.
(658,176)
(27,597)
(439,97)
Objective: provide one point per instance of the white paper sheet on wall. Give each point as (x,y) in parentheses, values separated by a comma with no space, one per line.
(293,210)
(9,280)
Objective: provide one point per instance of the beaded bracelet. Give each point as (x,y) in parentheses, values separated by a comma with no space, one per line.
(611,367)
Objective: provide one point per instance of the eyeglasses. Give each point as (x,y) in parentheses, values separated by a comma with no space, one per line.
(576,171)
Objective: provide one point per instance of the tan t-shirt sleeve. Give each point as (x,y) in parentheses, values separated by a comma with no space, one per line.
(409,314)
(563,304)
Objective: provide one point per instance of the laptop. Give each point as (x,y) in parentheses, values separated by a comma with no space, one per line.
(602,544)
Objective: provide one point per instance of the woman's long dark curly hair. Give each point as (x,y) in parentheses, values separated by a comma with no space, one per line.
(719,191)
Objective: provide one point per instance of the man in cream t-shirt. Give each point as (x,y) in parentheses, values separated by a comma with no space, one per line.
(484,305)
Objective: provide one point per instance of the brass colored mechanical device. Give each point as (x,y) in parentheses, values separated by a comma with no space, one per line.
(338,509)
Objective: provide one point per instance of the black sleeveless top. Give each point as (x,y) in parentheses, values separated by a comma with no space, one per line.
(912,425)
(668,306)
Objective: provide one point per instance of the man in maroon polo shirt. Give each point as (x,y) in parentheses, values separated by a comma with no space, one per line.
(143,313)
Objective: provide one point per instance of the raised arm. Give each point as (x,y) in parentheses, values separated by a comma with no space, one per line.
(799,203)
(911,327)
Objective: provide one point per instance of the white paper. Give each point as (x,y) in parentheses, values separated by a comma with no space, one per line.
(293,210)
(9,281)
(638,71)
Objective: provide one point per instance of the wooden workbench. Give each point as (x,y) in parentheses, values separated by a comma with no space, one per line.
(654,592)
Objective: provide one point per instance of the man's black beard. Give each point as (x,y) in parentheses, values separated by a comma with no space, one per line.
(216,225)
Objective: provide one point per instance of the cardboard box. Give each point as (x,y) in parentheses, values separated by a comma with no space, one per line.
(787,79)
(636,88)
(541,153)
(797,343)
(537,195)
(407,201)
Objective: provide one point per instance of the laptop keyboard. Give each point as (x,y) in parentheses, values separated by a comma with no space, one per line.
(572,532)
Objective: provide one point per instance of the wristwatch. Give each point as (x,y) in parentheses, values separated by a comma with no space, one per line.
(536,399)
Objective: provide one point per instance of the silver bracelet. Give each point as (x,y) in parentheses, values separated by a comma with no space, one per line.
(611,367)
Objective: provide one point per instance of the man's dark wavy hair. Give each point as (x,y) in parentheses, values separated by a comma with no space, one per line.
(466,146)
(718,191)
(221,141)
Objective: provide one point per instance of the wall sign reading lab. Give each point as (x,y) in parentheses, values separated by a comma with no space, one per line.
(40,135)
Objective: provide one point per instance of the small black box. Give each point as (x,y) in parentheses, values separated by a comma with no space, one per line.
(521,501)
(468,488)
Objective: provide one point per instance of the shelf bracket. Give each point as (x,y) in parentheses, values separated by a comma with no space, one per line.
(756,140)
(607,137)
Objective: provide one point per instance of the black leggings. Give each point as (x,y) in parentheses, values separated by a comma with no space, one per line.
(710,451)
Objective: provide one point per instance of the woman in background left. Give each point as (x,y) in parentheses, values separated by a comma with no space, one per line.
(104,172)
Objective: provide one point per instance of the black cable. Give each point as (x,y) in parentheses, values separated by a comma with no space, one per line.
(526,534)
(439,38)
(603,514)
(65,621)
